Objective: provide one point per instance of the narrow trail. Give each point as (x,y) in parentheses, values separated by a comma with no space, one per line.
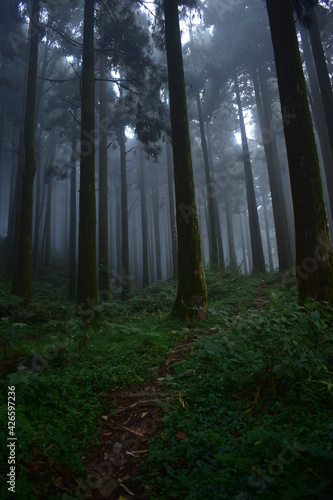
(124,435)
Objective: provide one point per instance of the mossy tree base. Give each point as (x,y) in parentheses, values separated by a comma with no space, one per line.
(314,260)
(191,301)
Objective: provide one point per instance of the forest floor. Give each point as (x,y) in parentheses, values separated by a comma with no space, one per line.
(138,405)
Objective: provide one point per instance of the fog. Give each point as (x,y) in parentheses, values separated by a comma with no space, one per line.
(230,79)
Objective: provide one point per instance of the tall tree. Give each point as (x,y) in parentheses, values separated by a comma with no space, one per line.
(279,209)
(21,284)
(144,222)
(87,275)
(103,223)
(314,259)
(72,217)
(191,300)
(171,200)
(322,73)
(256,243)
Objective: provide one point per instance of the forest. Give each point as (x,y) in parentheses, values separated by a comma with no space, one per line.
(166,261)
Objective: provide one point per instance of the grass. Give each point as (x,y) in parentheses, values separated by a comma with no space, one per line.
(258,414)
(242,387)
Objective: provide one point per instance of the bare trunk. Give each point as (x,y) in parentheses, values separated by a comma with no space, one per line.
(87,273)
(21,284)
(103,219)
(256,243)
(314,259)
(191,300)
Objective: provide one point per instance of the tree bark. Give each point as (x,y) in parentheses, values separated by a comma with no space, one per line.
(279,208)
(47,224)
(144,223)
(72,216)
(256,243)
(216,208)
(317,105)
(191,300)
(172,216)
(209,191)
(87,274)
(125,285)
(323,77)
(156,219)
(103,219)
(268,236)
(314,259)
(243,242)
(21,284)
(230,230)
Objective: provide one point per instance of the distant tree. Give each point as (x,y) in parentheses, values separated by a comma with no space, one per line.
(191,300)
(144,221)
(256,243)
(72,216)
(314,259)
(87,273)
(103,220)
(211,206)
(171,199)
(21,284)
(264,112)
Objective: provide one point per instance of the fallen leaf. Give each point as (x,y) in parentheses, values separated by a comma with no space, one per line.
(181,399)
(181,435)
(106,486)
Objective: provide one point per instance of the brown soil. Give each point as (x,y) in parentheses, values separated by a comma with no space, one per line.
(124,435)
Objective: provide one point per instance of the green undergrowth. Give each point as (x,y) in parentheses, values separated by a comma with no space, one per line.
(62,366)
(254,416)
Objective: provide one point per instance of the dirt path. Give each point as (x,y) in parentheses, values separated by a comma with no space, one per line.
(124,436)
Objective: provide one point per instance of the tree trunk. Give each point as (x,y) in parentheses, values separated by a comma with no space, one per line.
(314,259)
(21,284)
(72,216)
(279,208)
(35,252)
(256,243)
(216,209)
(209,191)
(103,219)
(172,213)
(125,286)
(268,236)
(243,243)
(230,230)
(323,77)
(144,223)
(87,275)
(156,219)
(191,300)
(318,110)
(47,224)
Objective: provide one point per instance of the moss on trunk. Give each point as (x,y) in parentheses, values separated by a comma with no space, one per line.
(87,273)
(191,300)
(314,261)
(258,259)
(103,213)
(23,274)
